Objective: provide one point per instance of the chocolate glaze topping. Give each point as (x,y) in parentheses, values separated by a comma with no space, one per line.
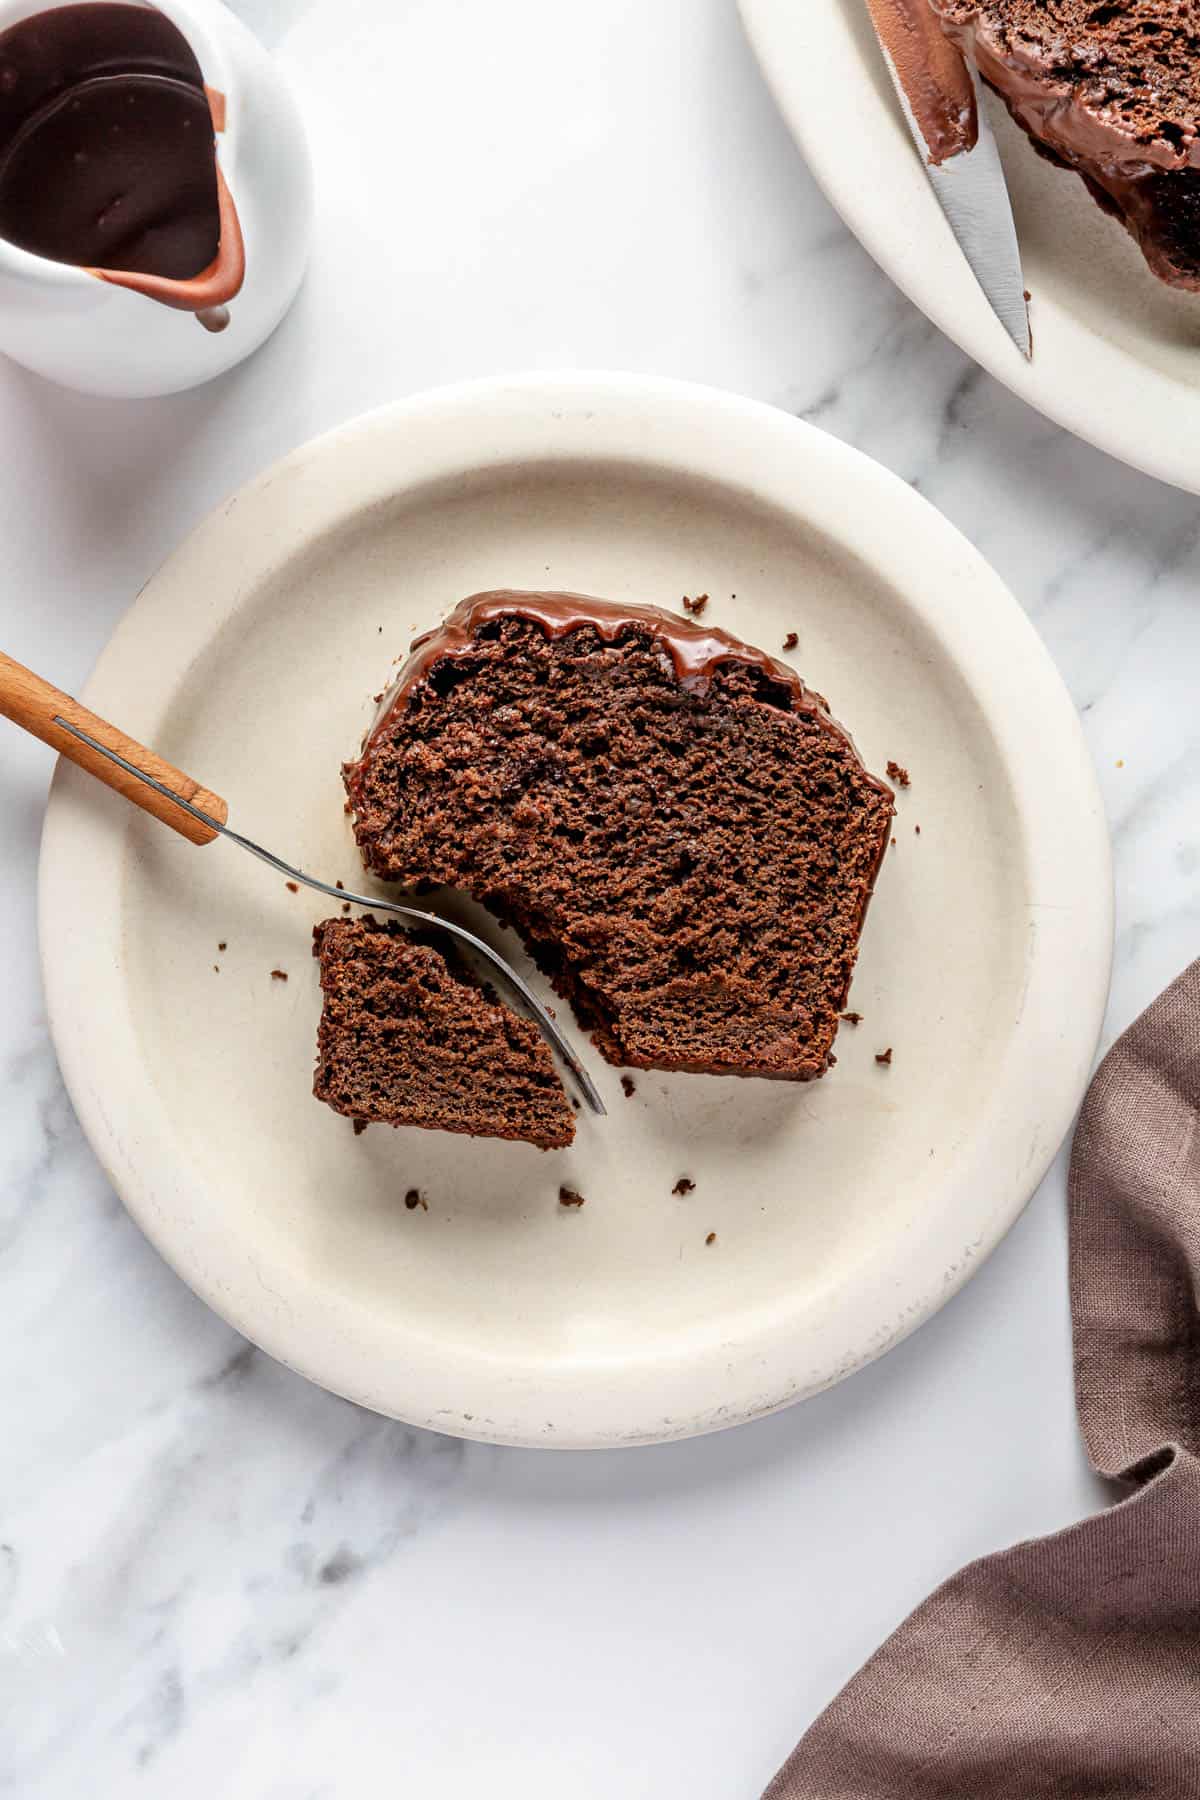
(695,650)
(1128,128)
(107,153)
(1052,108)
(935,79)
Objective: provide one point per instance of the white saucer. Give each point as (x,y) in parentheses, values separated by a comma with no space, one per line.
(845,1212)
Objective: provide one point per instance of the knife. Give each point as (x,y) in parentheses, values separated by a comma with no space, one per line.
(959,152)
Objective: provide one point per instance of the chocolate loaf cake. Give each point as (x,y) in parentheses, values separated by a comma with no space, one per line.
(683,836)
(409,1037)
(1111,91)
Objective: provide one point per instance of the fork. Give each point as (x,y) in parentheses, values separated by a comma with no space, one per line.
(199,815)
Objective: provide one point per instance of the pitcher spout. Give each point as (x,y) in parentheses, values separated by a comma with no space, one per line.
(214,287)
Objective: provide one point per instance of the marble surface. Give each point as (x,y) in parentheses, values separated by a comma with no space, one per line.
(213,1577)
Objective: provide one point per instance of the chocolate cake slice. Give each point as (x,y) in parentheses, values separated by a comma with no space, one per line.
(1112,91)
(683,836)
(409,1037)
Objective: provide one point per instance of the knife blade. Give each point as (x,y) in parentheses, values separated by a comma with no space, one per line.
(970,188)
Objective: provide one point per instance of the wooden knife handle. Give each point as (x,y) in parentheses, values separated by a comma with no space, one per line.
(33,704)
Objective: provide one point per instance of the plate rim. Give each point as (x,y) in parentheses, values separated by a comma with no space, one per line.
(637,420)
(787,40)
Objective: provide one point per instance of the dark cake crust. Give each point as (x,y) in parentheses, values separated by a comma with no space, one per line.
(1111,91)
(409,1037)
(683,836)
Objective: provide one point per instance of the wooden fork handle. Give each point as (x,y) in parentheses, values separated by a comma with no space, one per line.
(34,705)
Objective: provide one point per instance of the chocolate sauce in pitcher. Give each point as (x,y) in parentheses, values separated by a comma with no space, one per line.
(108,155)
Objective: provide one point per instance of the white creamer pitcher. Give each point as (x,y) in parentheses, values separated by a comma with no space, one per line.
(103,337)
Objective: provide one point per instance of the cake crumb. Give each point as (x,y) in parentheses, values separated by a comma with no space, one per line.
(570,1197)
(852,1018)
(360,1125)
(222,946)
(1028,296)
(696,606)
(916,830)
(893,843)
(278,974)
(340,885)
(345,906)
(899,775)
(293,887)
(628,1086)
(415,1198)
(1120,762)
(685,1185)
(216,968)
(884,1057)
(711,1238)
(791,640)
(830,1060)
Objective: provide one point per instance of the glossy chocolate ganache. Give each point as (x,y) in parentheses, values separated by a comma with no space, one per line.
(1111,91)
(696,651)
(108,154)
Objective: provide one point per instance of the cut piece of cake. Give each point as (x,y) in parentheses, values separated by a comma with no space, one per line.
(680,832)
(1111,91)
(409,1037)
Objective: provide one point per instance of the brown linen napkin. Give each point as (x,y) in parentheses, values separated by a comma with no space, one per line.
(1069,1666)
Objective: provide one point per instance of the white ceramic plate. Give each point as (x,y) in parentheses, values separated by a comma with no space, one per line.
(845,1212)
(1116,354)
